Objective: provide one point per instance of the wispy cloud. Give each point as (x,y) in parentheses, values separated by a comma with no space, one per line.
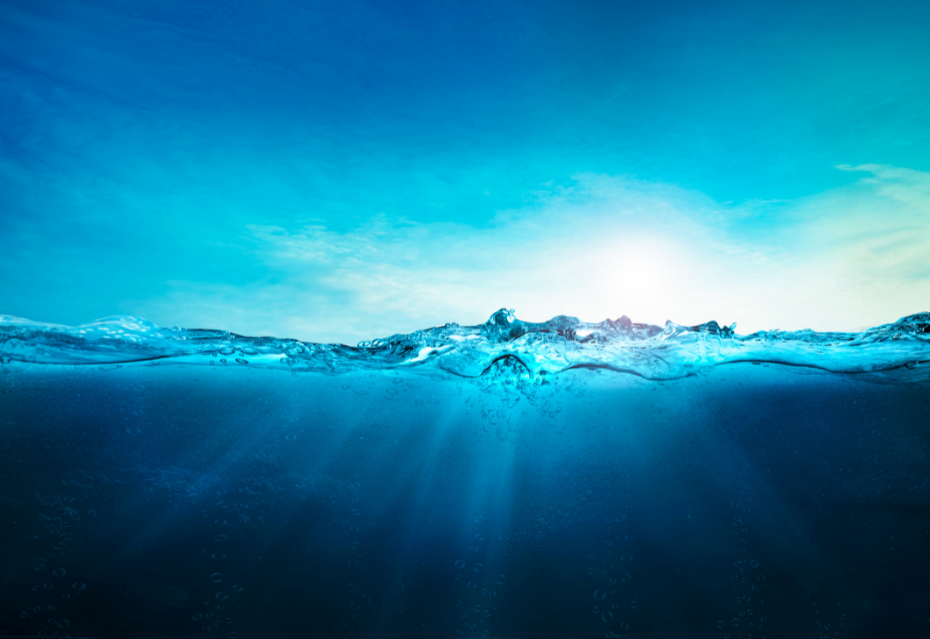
(602,247)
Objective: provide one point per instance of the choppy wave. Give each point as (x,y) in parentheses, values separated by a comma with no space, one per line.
(503,343)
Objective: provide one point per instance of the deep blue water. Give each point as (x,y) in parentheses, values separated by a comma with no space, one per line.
(508,480)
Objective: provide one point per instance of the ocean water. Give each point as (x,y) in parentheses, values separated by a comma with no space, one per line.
(506,480)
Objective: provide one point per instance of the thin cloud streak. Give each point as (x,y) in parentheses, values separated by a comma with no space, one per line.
(604,247)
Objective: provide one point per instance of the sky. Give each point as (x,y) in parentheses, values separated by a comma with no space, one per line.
(347,170)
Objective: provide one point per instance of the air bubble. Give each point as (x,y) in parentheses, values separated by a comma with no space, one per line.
(460,564)
(59,572)
(599,595)
(219,555)
(78,585)
(501,579)
(221,538)
(626,577)
(217,577)
(222,596)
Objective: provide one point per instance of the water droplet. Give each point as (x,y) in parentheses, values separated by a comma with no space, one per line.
(624,626)
(479,519)
(720,624)
(63,623)
(221,538)
(197,617)
(734,622)
(354,545)
(39,567)
(219,555)
(599,595)
(290,437)
(460,564)
(222,596)
(78,585)
(356,512)
(754,563)
(58,546)
(479,567)
(626,577)
(217,577)
(59,572)
(472,584)
(626,557)
(607,615)
(479,537)
(501,579)
(237,588)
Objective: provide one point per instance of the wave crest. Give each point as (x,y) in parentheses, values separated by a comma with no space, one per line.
(563,343)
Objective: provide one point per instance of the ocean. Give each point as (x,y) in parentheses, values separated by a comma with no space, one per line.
(506,480)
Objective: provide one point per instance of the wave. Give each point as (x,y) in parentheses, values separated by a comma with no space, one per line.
(504,345)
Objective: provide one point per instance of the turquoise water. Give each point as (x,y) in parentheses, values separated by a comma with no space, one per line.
(509,480)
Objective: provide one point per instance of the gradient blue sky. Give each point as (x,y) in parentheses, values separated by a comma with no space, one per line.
(344,170)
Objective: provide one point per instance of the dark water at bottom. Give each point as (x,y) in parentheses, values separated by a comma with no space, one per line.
(188,502)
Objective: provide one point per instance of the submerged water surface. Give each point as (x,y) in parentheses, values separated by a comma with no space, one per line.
(506,480)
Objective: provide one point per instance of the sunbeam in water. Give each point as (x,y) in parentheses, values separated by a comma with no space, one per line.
(560,479)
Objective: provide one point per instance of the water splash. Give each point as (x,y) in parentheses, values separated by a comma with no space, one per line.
(900,350)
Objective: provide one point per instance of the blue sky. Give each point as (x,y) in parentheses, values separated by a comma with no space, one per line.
(339,171)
